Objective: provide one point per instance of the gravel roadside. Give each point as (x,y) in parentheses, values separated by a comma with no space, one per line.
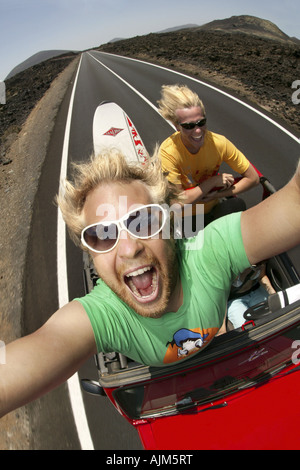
(18,185)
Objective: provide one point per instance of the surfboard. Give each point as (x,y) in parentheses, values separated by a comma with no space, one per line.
(112,128)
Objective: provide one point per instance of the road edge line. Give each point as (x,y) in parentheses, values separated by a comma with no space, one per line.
(73,383)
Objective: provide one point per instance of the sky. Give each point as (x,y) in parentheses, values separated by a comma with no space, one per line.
(31,26)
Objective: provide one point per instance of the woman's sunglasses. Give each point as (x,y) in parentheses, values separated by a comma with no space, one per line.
(191,125)
(143,222)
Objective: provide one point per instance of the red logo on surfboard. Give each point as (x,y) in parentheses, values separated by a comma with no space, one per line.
(113,131)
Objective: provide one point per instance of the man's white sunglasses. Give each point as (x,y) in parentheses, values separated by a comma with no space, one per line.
(144,222)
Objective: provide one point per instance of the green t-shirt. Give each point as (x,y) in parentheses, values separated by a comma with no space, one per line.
(208,263)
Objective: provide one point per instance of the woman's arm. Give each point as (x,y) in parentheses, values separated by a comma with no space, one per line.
(200,192)
(249,180)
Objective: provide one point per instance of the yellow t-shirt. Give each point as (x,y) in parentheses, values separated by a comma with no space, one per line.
(190,169)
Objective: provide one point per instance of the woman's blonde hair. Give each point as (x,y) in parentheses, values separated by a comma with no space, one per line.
(175,97)
(109,166)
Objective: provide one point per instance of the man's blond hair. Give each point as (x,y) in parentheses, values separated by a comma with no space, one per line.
(175,97)
(110,166)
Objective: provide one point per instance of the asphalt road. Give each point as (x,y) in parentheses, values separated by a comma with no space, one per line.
(135,86)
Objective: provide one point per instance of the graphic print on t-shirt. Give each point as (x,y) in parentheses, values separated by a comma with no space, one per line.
(187,342)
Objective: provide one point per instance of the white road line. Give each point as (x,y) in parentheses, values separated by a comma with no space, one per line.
(202,83)
(63,292)
(131,87)
(126,83)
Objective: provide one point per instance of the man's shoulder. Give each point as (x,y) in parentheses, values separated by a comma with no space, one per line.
(223,228)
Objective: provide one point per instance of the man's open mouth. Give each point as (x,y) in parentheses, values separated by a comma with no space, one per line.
(143,283)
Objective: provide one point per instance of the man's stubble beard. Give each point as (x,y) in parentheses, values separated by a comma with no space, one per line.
(168,279)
